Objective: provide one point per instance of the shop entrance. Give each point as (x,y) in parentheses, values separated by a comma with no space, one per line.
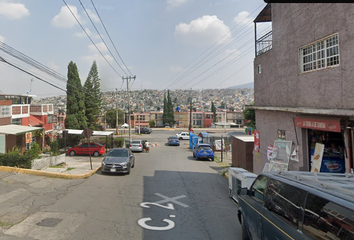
(333,160)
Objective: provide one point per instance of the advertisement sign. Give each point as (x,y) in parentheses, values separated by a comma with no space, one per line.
(256,141)
(317,158)
(270,152)
(28,137)
(280,156)
(331,125)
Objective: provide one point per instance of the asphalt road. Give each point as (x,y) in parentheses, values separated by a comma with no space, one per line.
(168,195)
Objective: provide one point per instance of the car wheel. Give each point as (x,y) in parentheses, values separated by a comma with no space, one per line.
(72,153)
(128,171)
(180,138)
(96,154)
(212,159)
(133,164)
(244,233)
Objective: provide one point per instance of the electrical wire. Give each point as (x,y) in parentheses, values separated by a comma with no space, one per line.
(221,39)
(110,37)
(101,37)
(91,39)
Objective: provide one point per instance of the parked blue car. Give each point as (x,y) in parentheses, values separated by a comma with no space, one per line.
(203,151)
(173,141)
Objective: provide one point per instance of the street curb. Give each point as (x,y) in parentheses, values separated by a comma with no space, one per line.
(47,174)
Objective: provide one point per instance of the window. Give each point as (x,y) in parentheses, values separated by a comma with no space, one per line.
(259,69)
(5,111)
(258,187)
(326,218)
(285,201)
(321,54)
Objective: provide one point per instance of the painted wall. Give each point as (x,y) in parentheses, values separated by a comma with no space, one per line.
(295,25)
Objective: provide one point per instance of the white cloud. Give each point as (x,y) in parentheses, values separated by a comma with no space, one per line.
(202,31)
(93,15)
(101,46)
(13,11)
(54,66)
(176,68)
(243,19)
(83,34)
(65,19)
(175,3)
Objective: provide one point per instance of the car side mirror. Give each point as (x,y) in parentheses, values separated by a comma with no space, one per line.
(242,191)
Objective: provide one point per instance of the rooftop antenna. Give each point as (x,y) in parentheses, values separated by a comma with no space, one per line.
(29,92)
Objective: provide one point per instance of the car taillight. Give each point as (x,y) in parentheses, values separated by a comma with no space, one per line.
(139,145)
(130,145)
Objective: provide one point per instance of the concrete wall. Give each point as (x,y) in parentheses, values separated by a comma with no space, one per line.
(45,162)
(296,25)
(268,123)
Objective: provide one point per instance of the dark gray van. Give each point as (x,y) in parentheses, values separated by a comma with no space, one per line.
(298,205)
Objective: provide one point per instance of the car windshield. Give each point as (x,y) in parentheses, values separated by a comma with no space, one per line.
(118,153)
(136,142)
(173,138)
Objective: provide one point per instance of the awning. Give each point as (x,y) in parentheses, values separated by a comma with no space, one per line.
(96,133)
(35,122)
(13,129)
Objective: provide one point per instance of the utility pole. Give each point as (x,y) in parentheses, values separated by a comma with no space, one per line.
(116,111)
(129,122)
(190,112)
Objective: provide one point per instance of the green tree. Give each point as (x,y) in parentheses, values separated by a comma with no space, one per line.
(165,111)
(93,97)
(75,108)
(111,117)
(171,117)
(213,109)
(250,117)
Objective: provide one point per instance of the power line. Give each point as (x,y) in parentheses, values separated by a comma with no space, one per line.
(91,39)
(101,37)
(110,37)
(191,69)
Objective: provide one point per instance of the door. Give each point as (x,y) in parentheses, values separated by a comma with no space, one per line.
(252,206)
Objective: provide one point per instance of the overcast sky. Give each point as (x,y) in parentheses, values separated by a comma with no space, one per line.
(166,44)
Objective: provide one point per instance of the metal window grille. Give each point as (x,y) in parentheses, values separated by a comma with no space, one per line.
(320,55)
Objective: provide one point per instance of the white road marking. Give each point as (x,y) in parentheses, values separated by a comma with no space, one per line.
(167,199)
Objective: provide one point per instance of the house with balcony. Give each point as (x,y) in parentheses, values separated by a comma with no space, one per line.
(303,88)
(18,126)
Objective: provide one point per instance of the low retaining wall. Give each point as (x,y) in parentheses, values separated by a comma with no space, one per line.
(45,162)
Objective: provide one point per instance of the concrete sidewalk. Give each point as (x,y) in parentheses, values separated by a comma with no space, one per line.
(73,168)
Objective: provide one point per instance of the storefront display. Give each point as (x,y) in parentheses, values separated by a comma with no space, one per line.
(333,160)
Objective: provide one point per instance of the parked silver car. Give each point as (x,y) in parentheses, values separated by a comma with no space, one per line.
(136,145)
(118,160)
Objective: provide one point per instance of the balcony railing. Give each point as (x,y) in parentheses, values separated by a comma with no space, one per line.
(264,44)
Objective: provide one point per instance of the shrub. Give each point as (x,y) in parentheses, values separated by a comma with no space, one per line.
(15,160)
(54,148)
(118,142)
(34,152)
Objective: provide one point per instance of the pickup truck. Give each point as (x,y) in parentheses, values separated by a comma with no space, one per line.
(183,135)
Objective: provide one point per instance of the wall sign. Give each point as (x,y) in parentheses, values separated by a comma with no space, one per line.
(331,125)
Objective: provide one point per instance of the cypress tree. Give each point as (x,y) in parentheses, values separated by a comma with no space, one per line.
(93,97)
(75,115)
(165,111)
(213,109)
(171,119)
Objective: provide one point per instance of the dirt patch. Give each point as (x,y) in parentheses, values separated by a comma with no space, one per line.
(10,219)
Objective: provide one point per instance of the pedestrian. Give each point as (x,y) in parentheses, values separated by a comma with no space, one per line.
(147,146)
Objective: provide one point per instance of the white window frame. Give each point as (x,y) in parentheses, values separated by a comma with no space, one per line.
(321,54)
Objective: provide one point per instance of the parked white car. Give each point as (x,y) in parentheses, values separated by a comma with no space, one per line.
(183,135)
